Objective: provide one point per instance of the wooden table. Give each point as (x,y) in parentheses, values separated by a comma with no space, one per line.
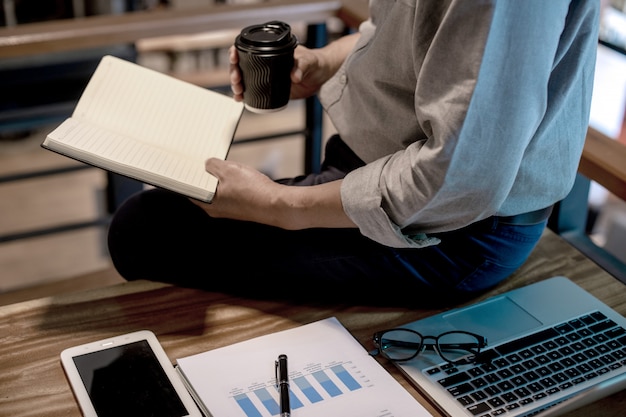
(187,321)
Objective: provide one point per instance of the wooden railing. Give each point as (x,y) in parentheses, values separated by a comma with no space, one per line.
(96,31)
(604,161)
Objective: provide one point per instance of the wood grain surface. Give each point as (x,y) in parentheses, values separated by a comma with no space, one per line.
(188,321)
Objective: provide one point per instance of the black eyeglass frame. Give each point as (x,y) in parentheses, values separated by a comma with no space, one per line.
(436,346)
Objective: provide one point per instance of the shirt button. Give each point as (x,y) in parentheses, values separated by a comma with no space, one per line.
(343,79)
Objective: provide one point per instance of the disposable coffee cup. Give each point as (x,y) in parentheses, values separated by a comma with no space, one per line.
(266,61)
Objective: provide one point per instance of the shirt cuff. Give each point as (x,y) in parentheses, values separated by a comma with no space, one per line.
(361,201)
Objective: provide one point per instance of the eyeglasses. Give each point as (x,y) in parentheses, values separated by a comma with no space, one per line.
(455,347)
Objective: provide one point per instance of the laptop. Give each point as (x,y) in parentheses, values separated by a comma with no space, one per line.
(551,347)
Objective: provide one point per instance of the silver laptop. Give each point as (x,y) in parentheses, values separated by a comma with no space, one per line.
(551,347)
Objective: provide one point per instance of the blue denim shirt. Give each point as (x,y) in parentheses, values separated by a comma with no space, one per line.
(462,110)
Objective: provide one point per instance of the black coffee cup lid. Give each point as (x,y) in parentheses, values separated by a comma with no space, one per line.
(270,35)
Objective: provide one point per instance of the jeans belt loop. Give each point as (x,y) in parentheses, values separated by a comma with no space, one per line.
(527,219)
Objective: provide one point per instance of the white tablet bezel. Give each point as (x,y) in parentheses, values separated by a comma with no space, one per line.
(80,392)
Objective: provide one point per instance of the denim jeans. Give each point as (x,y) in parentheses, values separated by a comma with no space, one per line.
(162,236)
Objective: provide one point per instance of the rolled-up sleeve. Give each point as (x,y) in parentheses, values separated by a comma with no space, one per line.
(365,205)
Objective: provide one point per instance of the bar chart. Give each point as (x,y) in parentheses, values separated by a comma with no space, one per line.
(315,383)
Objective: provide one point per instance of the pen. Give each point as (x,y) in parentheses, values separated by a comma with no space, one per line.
(282,382)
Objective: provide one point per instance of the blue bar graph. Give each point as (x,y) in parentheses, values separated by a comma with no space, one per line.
(313,385)
(247,406)
(307,389)
(327,383)
(268,401)
(345,377)
(294,400)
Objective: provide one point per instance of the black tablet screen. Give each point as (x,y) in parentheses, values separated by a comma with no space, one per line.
(128,380)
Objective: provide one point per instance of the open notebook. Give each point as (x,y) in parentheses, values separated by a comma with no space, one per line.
(552,347)
(149,126)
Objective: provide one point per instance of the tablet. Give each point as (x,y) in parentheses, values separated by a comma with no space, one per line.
(127,375)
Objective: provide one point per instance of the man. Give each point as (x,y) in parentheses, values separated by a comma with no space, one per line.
(460,123)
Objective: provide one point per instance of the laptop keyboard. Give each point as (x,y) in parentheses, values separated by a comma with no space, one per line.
(537,366)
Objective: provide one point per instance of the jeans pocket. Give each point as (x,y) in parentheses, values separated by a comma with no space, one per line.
(486,276)
(505,250)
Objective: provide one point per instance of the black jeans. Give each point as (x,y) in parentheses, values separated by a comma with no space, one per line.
(162,236)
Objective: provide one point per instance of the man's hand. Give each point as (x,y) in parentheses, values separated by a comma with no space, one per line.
(243,193)
(306,75)
(312,67)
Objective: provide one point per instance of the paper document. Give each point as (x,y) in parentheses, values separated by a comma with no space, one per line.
(330,374)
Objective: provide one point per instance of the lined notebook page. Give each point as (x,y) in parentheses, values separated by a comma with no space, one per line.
(167,113)
(133,158)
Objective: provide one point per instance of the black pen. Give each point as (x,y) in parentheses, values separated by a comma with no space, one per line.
(282,382)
